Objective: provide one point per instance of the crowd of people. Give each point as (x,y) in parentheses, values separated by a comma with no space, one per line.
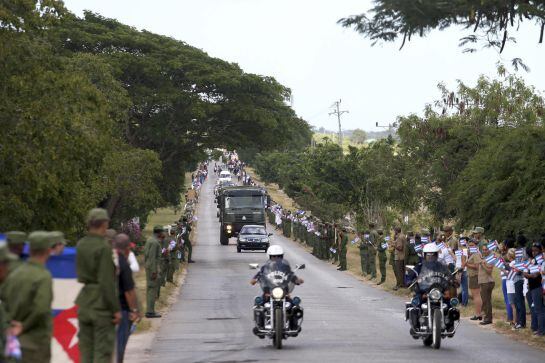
(236,167)
(470,256)
(108,308)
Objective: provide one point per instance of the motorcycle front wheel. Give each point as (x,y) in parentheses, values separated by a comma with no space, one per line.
(436,329)
(278,328)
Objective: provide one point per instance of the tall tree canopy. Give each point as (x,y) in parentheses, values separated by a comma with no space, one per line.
(492,22)
(94,112)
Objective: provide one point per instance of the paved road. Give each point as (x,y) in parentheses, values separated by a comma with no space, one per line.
(345,320)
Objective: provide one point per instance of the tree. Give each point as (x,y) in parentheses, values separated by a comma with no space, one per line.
(491,21)
(358,136)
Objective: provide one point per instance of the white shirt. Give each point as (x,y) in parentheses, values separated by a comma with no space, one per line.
(133,263)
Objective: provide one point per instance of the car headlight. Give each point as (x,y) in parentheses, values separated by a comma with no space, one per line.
(229,227)
(435,295)
(277,293)
(242,239)
(265,239)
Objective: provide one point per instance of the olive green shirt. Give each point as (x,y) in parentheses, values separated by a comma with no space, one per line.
(152,254)
(27,296)
(374,239)
(96,270)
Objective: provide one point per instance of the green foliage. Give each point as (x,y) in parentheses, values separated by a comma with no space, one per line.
(491,21)
(358,136)
(96,113)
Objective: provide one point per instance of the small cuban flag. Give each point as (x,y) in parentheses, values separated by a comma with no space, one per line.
(539,259)
(519,254)
(511,275)
(491,259)
(355,240)
(333,250)
(442,246)
(387,238)
(425,239)
(463,242)
(418,248)
(493,245)
(473,250)
(412,241)
(366,237)
(534,269)
(500,264)
(458,253)
(520,266)
(384,245)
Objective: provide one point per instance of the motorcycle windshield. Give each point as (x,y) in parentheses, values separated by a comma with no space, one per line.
(432,276)
(276,274)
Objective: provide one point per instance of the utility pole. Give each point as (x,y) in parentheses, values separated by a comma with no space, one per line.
(338,112)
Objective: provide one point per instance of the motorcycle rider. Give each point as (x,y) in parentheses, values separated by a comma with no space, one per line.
(277,262)
(431,266)
(276,256)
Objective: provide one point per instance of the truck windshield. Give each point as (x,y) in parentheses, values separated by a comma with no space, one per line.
(248,201)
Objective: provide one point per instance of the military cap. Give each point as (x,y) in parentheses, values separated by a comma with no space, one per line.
(56,238)
(97,214)
(478,230)
(425,232)
(158,229)
(16,238)
(39,240)
(5,255)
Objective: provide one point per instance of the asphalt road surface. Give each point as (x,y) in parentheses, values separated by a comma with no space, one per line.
(345,320)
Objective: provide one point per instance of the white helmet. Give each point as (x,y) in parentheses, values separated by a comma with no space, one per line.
(430,248)
(275,250)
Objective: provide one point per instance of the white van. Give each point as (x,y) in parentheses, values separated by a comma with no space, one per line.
(225,176)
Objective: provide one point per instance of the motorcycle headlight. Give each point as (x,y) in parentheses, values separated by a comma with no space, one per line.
(277,293)
(435,295)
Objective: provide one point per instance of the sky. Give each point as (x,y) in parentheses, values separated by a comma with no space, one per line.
(300,44)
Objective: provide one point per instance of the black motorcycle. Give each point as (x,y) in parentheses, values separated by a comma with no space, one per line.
(432,313)
(276,314)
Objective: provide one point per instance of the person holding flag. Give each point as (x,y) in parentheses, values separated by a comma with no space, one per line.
(382,247)
(473,262)
(535,293)
(486,283)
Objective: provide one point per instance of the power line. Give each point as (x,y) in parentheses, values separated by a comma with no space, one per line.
(338,112)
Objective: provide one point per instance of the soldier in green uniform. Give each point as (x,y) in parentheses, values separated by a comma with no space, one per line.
(343,248)
(381,252)
(6,258)
(16,244)
(372,252)
(364,247)
(28,293)
(288,225)
(152,256)
(412,257)
(186,235)
(98,301)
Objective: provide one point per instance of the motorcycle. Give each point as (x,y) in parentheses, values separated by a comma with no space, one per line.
(276,314)
(432,313)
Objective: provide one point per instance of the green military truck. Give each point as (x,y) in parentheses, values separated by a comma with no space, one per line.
(239,206)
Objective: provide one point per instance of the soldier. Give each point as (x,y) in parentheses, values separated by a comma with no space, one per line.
(288,225)
(16,244)
(478,236)
(343,248)
(6,258)
(364,251)
(28,293)
(372,252)
(99,310)
(58,242)
(450,238)
(186,234)
(152,256)
(412,257)
(400,247)
(381,252)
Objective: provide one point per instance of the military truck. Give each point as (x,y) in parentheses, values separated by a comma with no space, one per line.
(239,206)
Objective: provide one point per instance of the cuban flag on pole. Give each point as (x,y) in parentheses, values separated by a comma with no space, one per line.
(490,259)
(418,248)
(64,345)
(539,259)
(425,239)
(493,245)
(511,275)
(442,246)
(500,263)
(519,254)
(473,250)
